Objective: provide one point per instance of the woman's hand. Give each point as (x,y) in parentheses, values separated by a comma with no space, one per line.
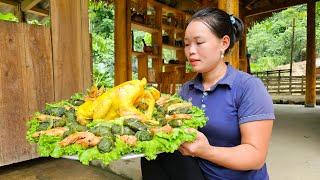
(196,148)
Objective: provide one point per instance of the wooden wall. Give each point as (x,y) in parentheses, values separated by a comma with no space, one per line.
(37,65)
(26,84)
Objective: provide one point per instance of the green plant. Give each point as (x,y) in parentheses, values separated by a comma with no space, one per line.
(270,39)
(8,17)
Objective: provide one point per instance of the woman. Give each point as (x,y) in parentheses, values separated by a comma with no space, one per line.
(234,142)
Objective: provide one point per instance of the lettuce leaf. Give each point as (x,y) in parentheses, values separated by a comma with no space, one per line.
(118,151)
(47,144)
(32,126)
(163,142)
(198,119)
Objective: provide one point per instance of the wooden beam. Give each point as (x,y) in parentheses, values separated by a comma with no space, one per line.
(142,27)
(8,3)
(28,4)
(34,10)
(273,7)
(252,19)
(248,4)
(310,98)
(38,11)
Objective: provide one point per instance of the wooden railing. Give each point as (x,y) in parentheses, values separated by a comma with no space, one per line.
(279,82)
(272,73)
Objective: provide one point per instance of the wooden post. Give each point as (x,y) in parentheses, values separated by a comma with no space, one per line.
(268,80)
(279,79)
(302,82)
(244,60)
(291,59)
(86,46)
(243,63)
(121,41)
(310,97)
(157,38)
(71,48)
(231,7)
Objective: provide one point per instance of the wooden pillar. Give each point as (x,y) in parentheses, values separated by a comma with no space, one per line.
(121,41)
(231,7)
(243,60)
(70,47)
(310,98)
(157,39)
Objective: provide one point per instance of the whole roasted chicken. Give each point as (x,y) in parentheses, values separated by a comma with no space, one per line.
(120,101)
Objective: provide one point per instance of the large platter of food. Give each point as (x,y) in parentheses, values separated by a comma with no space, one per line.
(126,121)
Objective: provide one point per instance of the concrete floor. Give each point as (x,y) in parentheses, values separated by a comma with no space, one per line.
(294,154)
(55,169)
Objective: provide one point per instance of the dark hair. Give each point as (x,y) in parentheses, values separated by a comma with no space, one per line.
(220,23)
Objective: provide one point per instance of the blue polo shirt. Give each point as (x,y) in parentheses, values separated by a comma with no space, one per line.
(237,98)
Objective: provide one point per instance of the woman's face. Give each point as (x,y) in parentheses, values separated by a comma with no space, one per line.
(203,48)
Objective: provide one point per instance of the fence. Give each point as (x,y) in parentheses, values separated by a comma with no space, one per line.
(279,82)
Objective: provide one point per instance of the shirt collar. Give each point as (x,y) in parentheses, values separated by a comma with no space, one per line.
(227,79)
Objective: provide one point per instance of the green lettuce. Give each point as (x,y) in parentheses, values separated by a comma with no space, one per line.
(198,119)
(47,144)
(32,126)
(118,151)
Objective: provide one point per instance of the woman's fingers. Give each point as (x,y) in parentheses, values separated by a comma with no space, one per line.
(182,150)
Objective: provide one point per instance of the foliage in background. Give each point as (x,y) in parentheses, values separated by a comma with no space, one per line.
(38,20)
(138,36)
(168,54)
(8,17)
(138,46)
(269,41)
(30,18)
(101,18)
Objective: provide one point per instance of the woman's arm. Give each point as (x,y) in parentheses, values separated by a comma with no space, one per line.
(249,155)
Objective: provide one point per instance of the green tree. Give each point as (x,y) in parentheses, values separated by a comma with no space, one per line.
(269,41)
(101,18)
